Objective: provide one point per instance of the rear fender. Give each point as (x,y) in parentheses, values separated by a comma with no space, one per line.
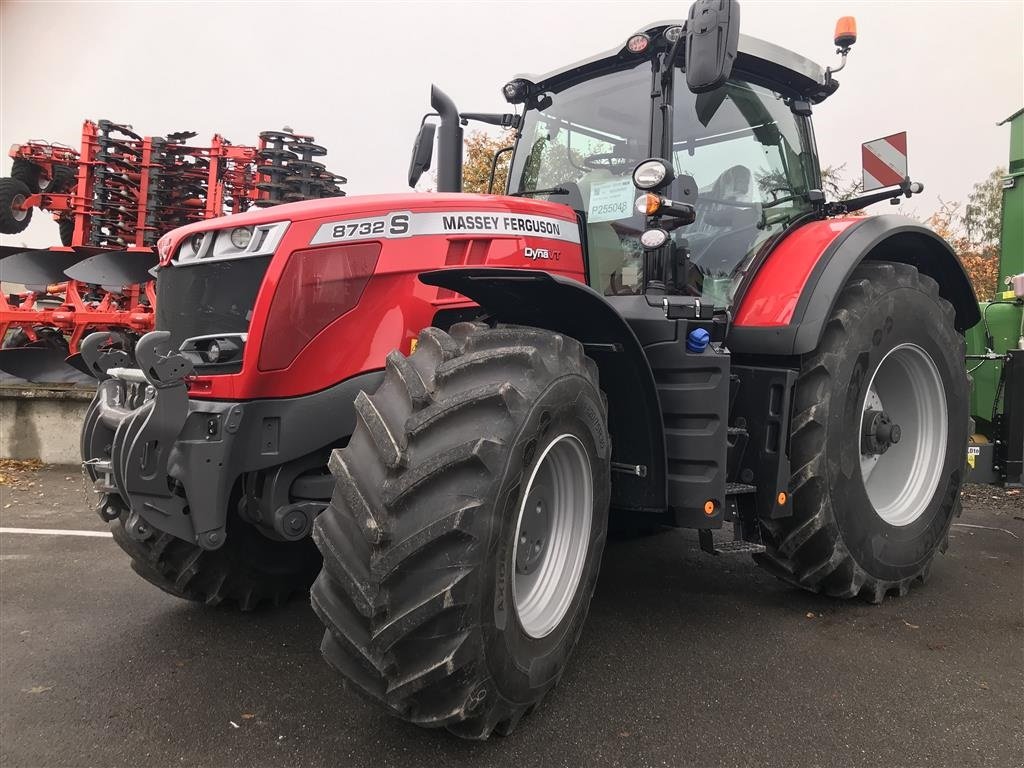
(791,297)
(544,300)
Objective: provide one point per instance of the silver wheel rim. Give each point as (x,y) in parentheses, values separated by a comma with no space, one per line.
(552,535)
(17,211)
(44,184)
(901,481)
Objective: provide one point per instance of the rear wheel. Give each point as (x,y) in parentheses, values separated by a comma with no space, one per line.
(880,425)
(249,571)
(13,217)
(465,535)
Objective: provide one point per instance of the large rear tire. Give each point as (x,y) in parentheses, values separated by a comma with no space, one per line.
(249,571)
(464,539)
(872,505)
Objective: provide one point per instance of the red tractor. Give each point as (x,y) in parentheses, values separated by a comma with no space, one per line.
(448,395)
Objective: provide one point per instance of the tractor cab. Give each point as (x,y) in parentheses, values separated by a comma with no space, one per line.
(732,146)
(742,155)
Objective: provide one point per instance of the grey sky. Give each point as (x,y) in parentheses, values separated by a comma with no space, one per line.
(357,75)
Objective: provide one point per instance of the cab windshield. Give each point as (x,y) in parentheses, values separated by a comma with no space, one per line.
(586,142)
(749,155)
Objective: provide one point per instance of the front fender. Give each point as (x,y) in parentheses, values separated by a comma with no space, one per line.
(540,299)
(793,293)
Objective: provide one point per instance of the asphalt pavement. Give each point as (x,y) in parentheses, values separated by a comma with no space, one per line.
(686,660)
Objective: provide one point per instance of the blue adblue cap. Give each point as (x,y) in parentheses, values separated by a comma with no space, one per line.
(697,340)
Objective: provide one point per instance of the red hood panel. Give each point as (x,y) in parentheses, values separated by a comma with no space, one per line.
(415,233)
(337,208)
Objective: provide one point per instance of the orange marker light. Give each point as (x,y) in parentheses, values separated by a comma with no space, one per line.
(648,204)
(846,32)
(709,507)
(782,498)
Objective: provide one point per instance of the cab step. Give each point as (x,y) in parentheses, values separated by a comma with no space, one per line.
(727,547)
(735,489)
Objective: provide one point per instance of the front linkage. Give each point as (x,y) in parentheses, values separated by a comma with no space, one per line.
(139,414)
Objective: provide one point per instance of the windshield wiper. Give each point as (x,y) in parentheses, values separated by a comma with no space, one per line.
(552,191)
(781,200)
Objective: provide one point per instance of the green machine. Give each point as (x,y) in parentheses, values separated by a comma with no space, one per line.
(995,346)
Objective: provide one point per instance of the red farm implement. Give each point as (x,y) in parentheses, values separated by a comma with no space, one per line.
(112,199)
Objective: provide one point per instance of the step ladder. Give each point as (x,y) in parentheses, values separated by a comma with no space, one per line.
(737,545)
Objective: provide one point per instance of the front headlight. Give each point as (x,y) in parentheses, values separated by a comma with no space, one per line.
(215,349)
(652,174)
(241,237)
(231,243)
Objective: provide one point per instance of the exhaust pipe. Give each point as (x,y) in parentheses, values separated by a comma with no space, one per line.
(449,142)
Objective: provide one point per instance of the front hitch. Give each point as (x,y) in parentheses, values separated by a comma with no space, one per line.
(130,443)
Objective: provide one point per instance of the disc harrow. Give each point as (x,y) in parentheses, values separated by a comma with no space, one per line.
(112,199)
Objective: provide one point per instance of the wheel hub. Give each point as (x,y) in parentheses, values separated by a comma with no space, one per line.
(552,535)
(18,211)
(534,530)
(903,434)
(878,433)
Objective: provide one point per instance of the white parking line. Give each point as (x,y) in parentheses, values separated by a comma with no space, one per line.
(56,532)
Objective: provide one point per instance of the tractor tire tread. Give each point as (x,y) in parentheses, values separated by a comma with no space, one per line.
(417,470)
(807,549)
(233,574)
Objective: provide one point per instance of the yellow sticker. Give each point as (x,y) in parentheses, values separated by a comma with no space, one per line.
(412,345)
(972,452)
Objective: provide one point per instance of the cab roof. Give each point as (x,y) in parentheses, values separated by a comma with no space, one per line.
(786,70)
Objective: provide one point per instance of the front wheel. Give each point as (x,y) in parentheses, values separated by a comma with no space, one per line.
(14,217)
(464,539)
(879,440)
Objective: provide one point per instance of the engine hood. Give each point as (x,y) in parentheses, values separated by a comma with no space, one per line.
(358,207)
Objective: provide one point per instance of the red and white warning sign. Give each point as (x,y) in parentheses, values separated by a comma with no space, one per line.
(884,161)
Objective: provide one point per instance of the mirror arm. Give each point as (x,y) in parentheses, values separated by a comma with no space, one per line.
(906,188)
(494,167)
(506,120)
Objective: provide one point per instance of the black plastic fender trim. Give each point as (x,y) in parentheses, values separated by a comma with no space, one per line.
(544,300)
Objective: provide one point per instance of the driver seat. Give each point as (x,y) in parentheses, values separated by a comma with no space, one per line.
(729,231)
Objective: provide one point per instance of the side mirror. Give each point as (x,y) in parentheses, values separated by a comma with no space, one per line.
(422,153)
(712,40)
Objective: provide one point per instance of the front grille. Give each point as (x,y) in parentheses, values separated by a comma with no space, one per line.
(208,298)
